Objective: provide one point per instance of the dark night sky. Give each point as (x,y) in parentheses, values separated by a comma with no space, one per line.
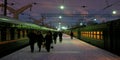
(71,7)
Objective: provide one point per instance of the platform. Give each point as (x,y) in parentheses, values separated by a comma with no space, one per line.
(69,49)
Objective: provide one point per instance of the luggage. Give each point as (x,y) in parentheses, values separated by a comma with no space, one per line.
(51,46)
(43,44)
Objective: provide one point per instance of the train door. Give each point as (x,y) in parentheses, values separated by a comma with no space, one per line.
(3,34)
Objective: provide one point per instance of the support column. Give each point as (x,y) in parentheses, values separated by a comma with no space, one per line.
(5,7)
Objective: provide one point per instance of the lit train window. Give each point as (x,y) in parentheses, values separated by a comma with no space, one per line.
(84,33)
(101,32)
(98,32)
(98,37)
(95,34)
(101,35)
(88,34)
(91,34)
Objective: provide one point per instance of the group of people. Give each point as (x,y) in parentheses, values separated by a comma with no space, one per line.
(47,40)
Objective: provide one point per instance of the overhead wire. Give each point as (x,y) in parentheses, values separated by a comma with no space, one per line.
(110,5)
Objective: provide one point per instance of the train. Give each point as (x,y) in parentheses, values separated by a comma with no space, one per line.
(103,35)
(13,34)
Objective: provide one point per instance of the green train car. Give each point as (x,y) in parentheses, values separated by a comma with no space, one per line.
(11,29)
(13,34)
(104,35)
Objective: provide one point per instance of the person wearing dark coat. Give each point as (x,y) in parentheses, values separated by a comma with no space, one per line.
(31,35)
(71,35)
(48,41)
(60,36)
(40,39)
(55,36)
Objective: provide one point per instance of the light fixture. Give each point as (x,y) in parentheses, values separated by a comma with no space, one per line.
(114,12)
(62,7)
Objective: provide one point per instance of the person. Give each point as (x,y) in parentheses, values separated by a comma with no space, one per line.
(55,36)
(40,40)
(71,35)
(48,41)
(31,35)
(60,36)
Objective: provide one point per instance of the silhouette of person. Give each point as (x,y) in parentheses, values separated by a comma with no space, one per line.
(31,35)
(40,39)
(60,36)
(71,35)
(48,40)
(55,36)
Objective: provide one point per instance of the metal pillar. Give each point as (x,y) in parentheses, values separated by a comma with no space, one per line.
(5,7)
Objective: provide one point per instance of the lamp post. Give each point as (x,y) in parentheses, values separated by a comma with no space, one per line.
(59,26)
(5,7)
(62,5)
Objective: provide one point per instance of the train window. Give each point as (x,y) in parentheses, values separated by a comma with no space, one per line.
(98,36)
(88,34)
(93,34)
(101,32)
(101,35)
(98,32)
(84,33)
